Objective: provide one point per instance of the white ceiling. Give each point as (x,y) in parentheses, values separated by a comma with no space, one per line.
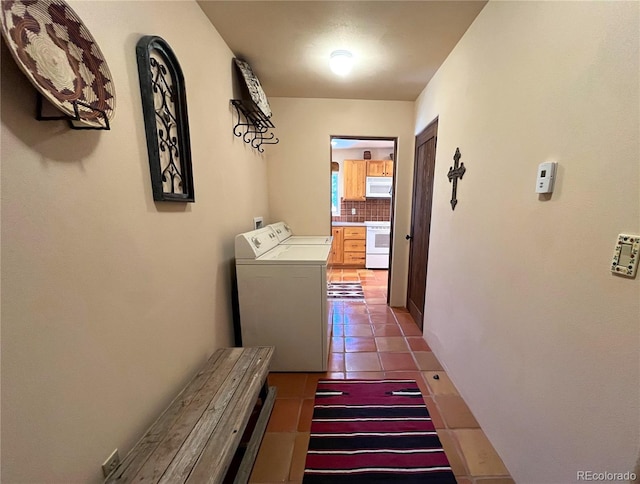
(397,45)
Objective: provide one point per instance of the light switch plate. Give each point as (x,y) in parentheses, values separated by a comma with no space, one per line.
(625,255)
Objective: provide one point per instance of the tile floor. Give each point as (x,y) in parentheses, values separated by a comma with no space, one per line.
(370,341)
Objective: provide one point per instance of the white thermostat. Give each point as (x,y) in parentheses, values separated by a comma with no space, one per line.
(625,255)
(546,177)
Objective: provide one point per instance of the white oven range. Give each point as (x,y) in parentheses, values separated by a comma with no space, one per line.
(377,244)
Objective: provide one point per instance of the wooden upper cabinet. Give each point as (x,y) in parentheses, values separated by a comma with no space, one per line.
(388,168)
(355,173)
(375,168)
(380,168)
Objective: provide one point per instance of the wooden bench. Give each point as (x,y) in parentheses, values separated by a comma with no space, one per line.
(196,438)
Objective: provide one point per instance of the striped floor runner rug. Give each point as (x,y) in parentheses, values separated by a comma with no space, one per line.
(373,431)
(345,291)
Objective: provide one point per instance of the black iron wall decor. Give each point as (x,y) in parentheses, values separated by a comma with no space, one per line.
(253,110)
(455,172)
(253,126)
(164,107)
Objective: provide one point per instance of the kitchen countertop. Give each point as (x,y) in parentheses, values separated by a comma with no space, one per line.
(347,224)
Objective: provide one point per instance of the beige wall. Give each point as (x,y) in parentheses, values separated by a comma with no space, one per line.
(540,338)
(299,169)
(110,302)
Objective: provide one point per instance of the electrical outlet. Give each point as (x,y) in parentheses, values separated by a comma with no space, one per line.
(111,463)
(353,211)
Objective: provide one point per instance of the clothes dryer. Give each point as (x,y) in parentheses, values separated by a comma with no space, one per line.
(282,294)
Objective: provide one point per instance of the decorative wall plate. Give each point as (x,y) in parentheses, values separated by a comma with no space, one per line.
(252,84)
(57,53)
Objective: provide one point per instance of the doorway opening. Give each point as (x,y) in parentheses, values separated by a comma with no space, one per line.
(362,193)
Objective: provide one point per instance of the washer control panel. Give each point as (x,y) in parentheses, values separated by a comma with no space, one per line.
(252,245)
(282,230)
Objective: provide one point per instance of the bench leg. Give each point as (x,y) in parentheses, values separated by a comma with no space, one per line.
(246,466)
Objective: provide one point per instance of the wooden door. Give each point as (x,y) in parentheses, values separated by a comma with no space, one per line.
(424,165)
(355,173)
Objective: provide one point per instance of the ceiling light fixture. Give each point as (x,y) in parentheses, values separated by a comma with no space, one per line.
(341,62)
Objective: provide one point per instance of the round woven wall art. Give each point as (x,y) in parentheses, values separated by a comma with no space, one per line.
(57,53)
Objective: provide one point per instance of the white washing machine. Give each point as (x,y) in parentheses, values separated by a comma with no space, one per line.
(282,295)
(285,236)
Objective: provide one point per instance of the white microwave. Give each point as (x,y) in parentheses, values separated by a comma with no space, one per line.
(379,187)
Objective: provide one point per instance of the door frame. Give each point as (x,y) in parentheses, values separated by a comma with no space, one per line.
(393,190)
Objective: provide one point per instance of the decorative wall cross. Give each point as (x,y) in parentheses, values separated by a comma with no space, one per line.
(455,172)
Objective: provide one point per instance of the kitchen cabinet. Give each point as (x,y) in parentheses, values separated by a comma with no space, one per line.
(337,251)
(353,242)
(380,168)
(349,246)
(355,174)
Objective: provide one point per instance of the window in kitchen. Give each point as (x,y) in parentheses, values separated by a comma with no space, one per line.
(335,198)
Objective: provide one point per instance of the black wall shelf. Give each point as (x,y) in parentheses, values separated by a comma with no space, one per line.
(253,126)
(75,121)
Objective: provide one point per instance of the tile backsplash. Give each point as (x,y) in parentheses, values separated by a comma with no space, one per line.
(372,209)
